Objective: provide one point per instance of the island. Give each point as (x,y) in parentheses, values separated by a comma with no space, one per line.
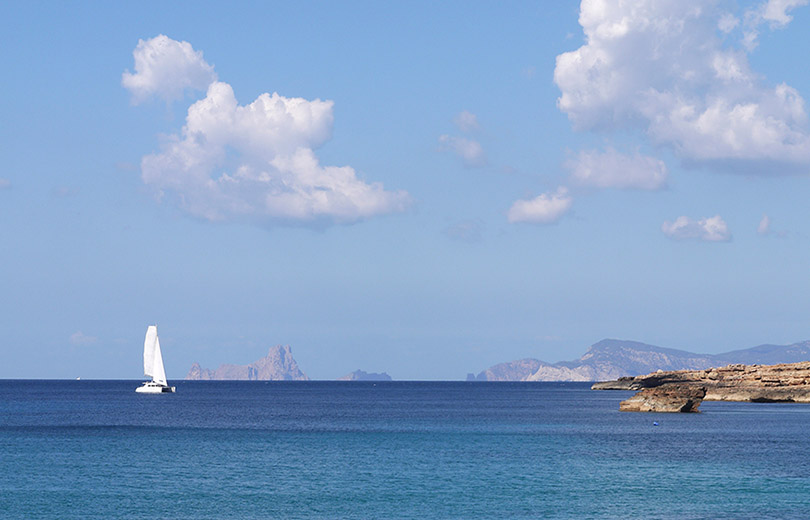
(612,358)
(362,375)
(277,365)
(684,390)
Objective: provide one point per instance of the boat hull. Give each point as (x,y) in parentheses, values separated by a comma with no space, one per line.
(150,387)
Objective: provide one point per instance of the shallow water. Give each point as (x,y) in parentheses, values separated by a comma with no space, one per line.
(222,450)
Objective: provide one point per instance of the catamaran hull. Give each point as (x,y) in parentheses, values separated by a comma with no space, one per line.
(151,388)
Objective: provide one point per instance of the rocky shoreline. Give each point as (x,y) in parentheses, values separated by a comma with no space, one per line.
(683,390)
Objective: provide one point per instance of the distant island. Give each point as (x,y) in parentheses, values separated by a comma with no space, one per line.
(609,359)
(277,365)
(613,358)
(360,375)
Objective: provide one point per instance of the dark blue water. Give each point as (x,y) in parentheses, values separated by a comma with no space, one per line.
(228,450)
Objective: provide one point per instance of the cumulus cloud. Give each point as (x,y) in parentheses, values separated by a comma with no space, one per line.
(79,338)
(469,151)
(665,69)
(166,68)
(612,169)
(257,161)
(713,229)
(546,208)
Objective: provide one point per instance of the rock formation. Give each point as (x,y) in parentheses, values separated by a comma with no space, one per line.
(611,358)
(360,375)
(278,365)
(518,370)
(788,382)
(667,398)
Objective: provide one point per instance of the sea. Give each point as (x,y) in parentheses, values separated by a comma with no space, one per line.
(94,449)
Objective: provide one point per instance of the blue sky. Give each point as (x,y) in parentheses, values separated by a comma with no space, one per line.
(406,187)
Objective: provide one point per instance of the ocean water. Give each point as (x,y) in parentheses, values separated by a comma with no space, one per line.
(242,450)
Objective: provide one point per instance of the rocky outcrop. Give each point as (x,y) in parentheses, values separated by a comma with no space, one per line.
(667,398)
(787,382)
(360,375)
(610,359)
(278,365)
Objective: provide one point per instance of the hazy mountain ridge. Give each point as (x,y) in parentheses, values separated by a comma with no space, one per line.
(278,365)
(612,358)
(511,371)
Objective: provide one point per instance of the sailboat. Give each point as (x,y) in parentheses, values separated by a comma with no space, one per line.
(153,365)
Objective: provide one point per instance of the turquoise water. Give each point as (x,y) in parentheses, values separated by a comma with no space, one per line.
(222,450)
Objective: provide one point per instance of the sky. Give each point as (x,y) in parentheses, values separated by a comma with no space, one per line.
(421,188)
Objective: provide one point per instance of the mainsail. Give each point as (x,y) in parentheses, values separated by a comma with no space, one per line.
(152,359)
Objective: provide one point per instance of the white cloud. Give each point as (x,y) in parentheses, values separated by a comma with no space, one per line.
(546,208)
(766,229)
(611,169)
(79,338)
(466,121)
(257,162)
(775,12)
(764,226)
(663,69)
(469,150)
(166,68)
(728,22)
(713,229)
(772,12)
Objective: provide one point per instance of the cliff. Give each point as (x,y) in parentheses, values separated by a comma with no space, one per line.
(513,371)
(786,382)
(667,398)
(278,365)
(612,358)
(360,375)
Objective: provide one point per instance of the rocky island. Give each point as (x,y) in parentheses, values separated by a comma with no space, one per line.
(683,390)
(277,365)
(362,375)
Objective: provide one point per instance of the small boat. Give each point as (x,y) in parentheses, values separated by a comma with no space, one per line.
(153,365)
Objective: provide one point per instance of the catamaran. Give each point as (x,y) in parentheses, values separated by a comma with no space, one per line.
(153,365)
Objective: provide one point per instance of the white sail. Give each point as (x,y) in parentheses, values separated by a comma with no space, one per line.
(152,358)
(149,350)
(158,373)
(153,365)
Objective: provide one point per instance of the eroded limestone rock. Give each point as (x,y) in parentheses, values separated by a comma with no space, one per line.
(662,391)
(667,398)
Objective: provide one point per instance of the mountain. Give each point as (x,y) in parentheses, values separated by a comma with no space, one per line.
(768,354)
(612,358)
(278,365)
(360,375)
